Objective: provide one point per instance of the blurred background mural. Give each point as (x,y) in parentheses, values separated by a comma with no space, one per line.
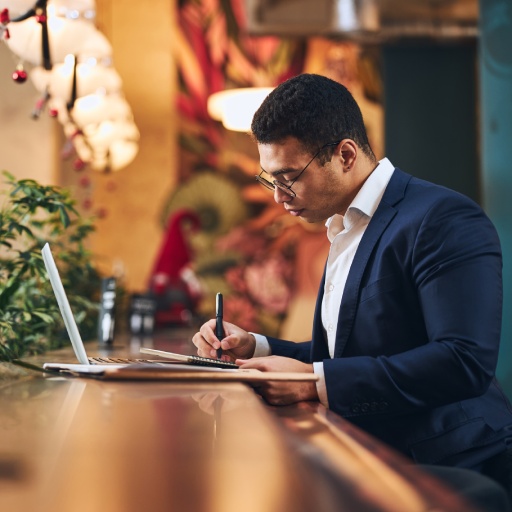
(267,264)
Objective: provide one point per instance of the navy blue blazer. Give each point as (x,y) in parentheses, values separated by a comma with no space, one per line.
(419,328)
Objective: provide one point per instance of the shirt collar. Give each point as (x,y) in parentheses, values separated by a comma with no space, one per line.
(366,201)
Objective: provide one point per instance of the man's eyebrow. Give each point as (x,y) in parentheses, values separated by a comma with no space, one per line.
(281,171)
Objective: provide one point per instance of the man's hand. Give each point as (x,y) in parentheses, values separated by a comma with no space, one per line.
(277,392)
(236,343)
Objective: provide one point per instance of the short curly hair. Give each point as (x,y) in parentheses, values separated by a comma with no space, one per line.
(313,109)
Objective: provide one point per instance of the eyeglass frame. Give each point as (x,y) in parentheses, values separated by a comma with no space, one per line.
(287,189)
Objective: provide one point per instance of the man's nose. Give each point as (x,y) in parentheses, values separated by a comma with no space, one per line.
(280,196)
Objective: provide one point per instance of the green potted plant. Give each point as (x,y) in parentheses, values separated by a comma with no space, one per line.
(32,214)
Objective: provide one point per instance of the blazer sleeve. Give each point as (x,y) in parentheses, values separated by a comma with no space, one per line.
(455,264)
(300,351)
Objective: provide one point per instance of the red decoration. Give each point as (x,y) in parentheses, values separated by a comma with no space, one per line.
(41,18)
(101,212)
(20,76)
(4,16)
(4,21)
(85,181)
(79,165)
(174,251)
(87,204)
(40,103)
(175,298)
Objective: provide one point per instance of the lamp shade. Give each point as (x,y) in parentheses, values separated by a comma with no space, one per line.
(109,146)
(91,78)
(103,135)
(95,108)
(120,153)
(74,8)
(65,36)
(235,108)
(16,7)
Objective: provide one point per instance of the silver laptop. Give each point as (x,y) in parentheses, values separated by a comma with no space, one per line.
(69,319)
(78,346)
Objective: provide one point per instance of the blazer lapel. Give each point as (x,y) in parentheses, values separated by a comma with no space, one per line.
(384,214)
(319,348)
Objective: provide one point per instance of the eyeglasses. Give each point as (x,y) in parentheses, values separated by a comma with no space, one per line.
(287,189)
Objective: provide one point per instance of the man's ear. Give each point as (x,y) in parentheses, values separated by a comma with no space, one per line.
(348,150)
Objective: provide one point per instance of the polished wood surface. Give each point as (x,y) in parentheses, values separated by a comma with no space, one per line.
(80,445)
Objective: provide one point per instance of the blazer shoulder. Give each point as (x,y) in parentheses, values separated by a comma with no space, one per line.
(405,186)
(395,191)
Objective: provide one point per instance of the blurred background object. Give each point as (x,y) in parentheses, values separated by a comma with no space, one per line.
(56,43)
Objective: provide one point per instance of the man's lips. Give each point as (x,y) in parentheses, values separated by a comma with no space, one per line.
(295,213)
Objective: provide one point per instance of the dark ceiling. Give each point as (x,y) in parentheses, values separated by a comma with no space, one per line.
(365,18)
(456,10)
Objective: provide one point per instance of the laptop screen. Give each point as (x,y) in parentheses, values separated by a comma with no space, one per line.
(65,309)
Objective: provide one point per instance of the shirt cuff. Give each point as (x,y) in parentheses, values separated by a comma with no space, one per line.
(262,348)
(321,389)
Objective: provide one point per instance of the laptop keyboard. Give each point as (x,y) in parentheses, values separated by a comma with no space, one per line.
(194,360)
(116,360)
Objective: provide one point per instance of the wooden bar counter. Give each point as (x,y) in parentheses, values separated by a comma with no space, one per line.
(84,445)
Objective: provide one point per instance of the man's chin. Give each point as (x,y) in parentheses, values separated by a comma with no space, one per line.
(308,219)
(314,217)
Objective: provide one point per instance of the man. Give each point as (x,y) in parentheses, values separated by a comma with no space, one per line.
(407,324)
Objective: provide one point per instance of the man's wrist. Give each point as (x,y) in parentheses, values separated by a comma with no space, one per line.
(262,347)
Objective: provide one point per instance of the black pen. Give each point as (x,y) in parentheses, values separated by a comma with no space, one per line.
(219,330)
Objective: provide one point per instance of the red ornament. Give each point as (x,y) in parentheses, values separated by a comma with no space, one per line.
(101,212)
(4,16)
(41,18)
(85,181)
(4,21)
(20,76)
(79,165)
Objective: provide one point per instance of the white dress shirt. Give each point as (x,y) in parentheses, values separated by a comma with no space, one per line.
(344,232)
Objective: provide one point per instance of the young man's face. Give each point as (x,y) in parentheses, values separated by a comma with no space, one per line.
(320,191)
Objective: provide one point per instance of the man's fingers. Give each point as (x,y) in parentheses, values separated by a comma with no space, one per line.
(259,363)
(205,339)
